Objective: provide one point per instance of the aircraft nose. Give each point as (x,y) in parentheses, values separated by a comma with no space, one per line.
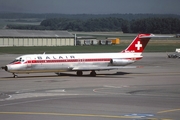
(5,68)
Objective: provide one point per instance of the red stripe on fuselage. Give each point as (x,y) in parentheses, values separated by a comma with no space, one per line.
(68,60)
(76,60)
(73,60)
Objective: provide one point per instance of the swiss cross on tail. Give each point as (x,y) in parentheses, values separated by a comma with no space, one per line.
(139,43)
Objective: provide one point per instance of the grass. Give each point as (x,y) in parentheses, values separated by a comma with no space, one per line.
(162,48)
(58,49)
(84,49)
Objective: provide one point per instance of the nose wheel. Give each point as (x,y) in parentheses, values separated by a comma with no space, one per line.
(14,75)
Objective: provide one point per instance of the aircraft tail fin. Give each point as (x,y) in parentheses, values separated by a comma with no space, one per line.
(139,43)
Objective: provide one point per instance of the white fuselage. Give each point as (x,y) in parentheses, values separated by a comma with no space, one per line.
(70,62)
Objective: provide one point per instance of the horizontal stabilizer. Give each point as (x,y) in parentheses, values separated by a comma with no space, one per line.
(155,36)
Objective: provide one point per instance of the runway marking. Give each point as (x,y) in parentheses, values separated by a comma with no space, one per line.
(30,101)
(111,86)
(77,115)
(166,111)
(9,97)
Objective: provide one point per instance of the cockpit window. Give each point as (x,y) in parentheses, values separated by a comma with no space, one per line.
(16,60)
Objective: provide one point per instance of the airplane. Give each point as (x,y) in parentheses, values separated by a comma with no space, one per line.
(57,63)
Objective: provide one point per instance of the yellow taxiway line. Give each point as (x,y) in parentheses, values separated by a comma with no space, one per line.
(166,111)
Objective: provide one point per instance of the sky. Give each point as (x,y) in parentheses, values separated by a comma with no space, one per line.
(91,6)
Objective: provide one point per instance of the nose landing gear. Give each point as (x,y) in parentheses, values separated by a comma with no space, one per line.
(14,75)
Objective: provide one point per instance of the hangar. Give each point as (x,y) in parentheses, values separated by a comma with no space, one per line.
(36,38)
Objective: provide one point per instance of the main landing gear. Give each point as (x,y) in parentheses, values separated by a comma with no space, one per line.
(79,73)
(92,73)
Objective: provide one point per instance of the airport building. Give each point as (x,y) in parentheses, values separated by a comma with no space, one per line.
(36,38)
(86,40)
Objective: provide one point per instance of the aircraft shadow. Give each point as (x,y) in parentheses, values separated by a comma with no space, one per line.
(120,74)
(98,75)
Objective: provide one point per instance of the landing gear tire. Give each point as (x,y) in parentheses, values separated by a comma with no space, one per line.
(79,73)
(93,73)
(14,75)
(59,74)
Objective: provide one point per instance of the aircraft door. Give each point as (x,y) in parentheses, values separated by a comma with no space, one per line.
(81,61)
(29,63)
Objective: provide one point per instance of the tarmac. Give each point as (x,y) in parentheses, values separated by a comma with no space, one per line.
(149,92)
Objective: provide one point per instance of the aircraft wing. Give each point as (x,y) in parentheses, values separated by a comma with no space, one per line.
(101,68)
